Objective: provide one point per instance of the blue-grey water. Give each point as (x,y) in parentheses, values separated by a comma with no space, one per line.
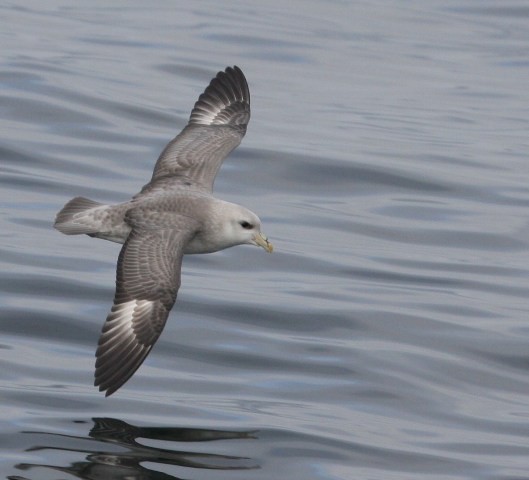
(387,337)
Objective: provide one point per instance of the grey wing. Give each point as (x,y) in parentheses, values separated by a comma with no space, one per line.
(147,281)
(216,126)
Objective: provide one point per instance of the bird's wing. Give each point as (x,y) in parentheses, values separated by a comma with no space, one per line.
(216,126)
(147,280)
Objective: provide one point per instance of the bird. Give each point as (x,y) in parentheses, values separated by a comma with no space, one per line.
(173,215)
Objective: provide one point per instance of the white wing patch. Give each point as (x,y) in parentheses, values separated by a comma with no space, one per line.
(122,315)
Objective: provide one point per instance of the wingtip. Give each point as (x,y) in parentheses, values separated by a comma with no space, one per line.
(107,392)
(104,388)
(226,100)
(122,348)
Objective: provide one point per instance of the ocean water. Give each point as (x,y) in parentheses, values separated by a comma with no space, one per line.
(387,337)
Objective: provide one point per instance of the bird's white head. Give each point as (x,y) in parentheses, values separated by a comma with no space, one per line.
(239,226)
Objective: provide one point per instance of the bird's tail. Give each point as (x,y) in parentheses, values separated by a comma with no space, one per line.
(78,216)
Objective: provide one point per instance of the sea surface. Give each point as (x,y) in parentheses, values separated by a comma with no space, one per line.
(386,338)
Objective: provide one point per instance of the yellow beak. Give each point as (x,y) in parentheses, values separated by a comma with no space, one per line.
(261,241)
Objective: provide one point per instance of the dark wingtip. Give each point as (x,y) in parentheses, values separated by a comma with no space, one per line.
(226,101)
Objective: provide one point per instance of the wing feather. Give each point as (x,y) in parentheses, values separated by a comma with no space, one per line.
(216,126)
(147,281)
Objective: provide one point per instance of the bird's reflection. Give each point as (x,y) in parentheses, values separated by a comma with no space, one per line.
(106,463)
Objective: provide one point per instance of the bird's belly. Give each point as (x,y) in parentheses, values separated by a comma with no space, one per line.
(118,233)
(199,245)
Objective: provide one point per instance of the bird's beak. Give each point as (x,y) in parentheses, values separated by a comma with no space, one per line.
(261,241)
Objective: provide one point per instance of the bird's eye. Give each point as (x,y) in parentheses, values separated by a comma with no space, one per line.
(244,224)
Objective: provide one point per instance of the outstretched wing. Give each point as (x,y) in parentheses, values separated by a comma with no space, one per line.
(216,126)
(147,280)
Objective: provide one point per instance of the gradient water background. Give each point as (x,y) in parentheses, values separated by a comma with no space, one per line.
(386,338)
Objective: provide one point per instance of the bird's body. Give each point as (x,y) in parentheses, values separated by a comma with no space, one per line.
(174,214)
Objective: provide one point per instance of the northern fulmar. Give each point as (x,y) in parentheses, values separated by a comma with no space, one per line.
(173,215)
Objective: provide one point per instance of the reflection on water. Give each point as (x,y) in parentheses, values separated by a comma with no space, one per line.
(102,461)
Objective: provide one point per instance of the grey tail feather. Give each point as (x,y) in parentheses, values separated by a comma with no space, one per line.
(75,219)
